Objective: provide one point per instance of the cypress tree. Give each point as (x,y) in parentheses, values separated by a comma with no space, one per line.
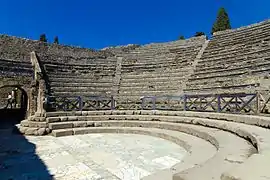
(181,37)
(56,40)
(43,38)
(222,22)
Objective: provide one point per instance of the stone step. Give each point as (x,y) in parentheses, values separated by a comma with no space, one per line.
(158,80)
(233,63)
(82,79)
(223,58)
(192,144)
(223,141)
(83,84)
(151,93)
(87,93)
(151,87)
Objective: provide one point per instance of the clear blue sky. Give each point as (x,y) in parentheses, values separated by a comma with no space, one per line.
(100,23)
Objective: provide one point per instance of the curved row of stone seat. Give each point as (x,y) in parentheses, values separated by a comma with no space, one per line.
(168,64)
(251,39)
(238,81)
(238,37)
(235,34)
(261,140)
(67,67)
(233,57)
(15,68)
(80,80)
(244,62)
(250,28)
(222,140)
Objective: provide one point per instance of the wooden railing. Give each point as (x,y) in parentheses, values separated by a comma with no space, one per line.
(253,103)
(80,103)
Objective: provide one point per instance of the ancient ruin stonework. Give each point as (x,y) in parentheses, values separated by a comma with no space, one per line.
(152,90)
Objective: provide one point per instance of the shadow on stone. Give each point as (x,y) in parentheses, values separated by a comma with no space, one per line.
(18,158)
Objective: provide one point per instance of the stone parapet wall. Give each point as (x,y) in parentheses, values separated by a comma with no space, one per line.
(20,49)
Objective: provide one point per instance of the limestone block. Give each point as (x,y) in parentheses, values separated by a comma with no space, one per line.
(48,130)
(84,113)
(53,119)
(63,118)
(31,131)
(80,124)
(41,131)
(82,131)
(78,113)
(65,125)
(257,167)
(72,118)
(25,123)
(90,124)
(64,132)
(98,124)
(37,124)
(23,129)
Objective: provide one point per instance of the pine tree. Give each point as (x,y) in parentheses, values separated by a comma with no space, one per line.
(199,34)
(56,40)
(43,38)
(181,37)
(222,22)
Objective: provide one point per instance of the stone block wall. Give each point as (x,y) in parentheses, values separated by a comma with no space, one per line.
(19,49)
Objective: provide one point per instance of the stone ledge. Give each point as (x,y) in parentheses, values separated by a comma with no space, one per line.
(223,153)
(242,130)
(262,121)
(257,167)
(26,123)
(34,131)
(199,150)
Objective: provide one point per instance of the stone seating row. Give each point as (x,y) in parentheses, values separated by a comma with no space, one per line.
(228,71)
(216,50)
(216,53)
(221,59)
(239,61)
(223,88)
(144,69)
(247,39)
(258,136)
(80,93)
(149,92)
(77,61)
(82,84)
(229,54)
(161,72)
(86,73)
(242,30)
(237,35)
(78,68)
(222,144)
(10,68)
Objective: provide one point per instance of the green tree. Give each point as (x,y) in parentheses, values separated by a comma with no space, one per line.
(199,34)
(56,40)
(43,38)
(222,22)
(181,37)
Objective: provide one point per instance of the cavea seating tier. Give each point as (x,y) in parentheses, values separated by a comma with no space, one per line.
(193,123)
(15,68)
(241,53)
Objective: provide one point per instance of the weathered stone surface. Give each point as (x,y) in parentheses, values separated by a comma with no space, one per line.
(41,131)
